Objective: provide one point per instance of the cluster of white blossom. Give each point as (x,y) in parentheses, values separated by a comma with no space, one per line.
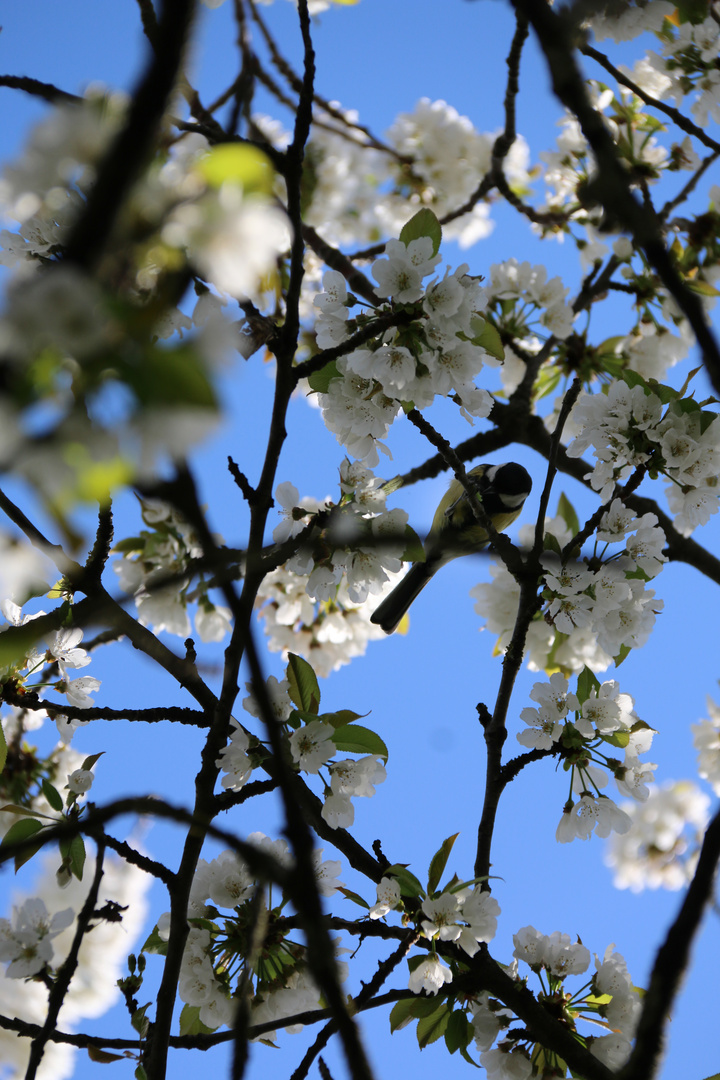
(463,916)
(46,924)
(165,551)
(466,917)
(594,611)
(449,160)
(536,302)
(60,648)
(623,23)
(630,426)
(559,957)
(687,64)
(216,942)
(441,354)
(312,746)
(314,605)
(661,847)
(586,730)
(233,236)
(44,189)
(573,162)
(433,157)
(26,940)
(706,740)
(328,634)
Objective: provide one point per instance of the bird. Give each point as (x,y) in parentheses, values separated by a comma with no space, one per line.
(502,491)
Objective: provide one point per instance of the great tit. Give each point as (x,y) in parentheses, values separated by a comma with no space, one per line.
(502,490)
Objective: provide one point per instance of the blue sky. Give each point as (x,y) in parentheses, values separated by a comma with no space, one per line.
(422,688)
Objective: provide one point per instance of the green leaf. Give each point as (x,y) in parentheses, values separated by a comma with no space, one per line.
(73,851)
(140,1073)
(140,1021)
(340,718)
(487,337)
(625,651)
(551,543)
(90,762)
(547,1063)
(409,884)
(618,738)
(190,1022)
(155,944)
(439,862)
(464,1054)
(633,378)
(411,1008)
(566,511)
(52,795)
(354,739)
(23,830)
(692,11)
(129,545)
(547,381)
(170,376)
(587,682)
(431,1028)
(320,380)
(304,690)
(414,550)
(306,717)
(702,288)
(102,1057)
(23,811)
(350,895)
(459,1031)
(424,223)
(3,750)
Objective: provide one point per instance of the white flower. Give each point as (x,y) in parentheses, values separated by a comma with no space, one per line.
(661,847)
(325,872)
(78,691)
(312,745)
(564,957)
(228,880)
(357,777)
(388,898)
(234,760)
(334,297)
(430,975)
(80,781)
(530,946)
(506,1062)
(213,622)
(62,647)
(27,941)
(442,917)
(277,692)
(338,811)
(591,814)
(400,275)
(480,910)
(288,498)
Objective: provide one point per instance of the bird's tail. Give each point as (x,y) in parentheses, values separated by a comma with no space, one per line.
(389,613)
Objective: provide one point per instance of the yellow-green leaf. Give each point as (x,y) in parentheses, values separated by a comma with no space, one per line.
(233,163)
(487,337)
